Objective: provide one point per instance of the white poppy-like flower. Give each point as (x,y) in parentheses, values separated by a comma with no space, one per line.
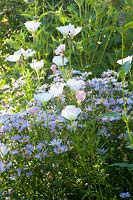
(75,84)
(69,30)
(124,60)
(27,53)
(60,60)
(3,149)
(43,97)
(60,50)
(15,57)
(70,112)
(37,65)
(57,89)
(32,25)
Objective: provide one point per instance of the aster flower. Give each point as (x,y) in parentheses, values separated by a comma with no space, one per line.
(4,166)
(60,149)
(55,142)
(41,155)
(41,145)
(124,195)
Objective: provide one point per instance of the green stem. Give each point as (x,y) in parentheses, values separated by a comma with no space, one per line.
(124,99)
(105,47)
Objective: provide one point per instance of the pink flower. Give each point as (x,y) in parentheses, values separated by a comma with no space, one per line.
(60,50)
(53,68)
(80,95)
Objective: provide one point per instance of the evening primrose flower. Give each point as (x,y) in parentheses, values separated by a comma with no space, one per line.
(75,84)
(27,53)
(124,60)
(70,112)
(60,60)
(32,25)
(14,57)
(37,65)
(43,97)
(60,50)
(57,89)
(80,95)
(69,30)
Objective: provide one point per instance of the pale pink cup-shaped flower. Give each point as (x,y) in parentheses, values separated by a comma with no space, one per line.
(80,96)
(60,50)
(53,68)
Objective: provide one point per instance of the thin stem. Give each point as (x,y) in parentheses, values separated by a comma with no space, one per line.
(126,120)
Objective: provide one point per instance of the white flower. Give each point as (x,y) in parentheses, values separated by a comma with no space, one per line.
(27,53)
(3,149)
(70,112)
(15,57)
(75,84)
(60,60)
(32,25)
(69,30)
(124,60)
(60,50)
(37,65)
(43,97)
(57,89)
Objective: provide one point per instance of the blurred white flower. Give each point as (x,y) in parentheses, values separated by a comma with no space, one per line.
(70,112)
(43,97)
(14,57)
(32,25)
(75,84)
(37,65)
(57,89)
(27,53)
(124,60)
(60,60)
(69,30)
(3,149)
(60,50)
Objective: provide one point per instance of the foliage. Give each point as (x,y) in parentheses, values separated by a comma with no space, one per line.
(65,104)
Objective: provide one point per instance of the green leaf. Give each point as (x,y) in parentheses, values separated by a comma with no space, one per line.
(111,114)
(79,2)
(125,68)
(129,166)
(128,26)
